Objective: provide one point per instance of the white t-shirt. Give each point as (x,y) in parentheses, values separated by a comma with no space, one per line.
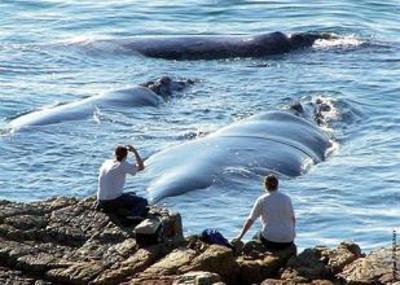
(277,216)
(112,178)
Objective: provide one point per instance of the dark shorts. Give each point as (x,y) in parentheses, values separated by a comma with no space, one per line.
(271,245)
(126,204)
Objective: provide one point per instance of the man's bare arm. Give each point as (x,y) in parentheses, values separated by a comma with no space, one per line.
(139,160)
(246,226)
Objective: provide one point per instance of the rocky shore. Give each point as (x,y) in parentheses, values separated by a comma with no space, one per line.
(66,241)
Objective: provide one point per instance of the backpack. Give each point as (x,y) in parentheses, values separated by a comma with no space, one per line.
(213,236)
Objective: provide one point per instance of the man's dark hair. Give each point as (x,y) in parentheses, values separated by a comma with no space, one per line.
(121,152)
(271,182)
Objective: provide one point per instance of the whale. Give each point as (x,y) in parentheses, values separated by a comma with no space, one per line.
(280,142)
(151,93)
(218,46)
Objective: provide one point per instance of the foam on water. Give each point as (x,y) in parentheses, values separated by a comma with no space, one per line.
(347,41)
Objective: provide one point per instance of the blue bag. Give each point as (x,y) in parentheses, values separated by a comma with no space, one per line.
(213,236)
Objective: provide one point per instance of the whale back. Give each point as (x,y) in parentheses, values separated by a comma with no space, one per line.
(181,48)
(283,127)
(270,44)
(210,47)
(71,111)
(133,96)
(276,142)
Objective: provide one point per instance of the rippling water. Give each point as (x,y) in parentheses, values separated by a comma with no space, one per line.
(49,55)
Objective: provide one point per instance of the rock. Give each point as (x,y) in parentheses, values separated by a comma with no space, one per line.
(191,278)
(138,262)
(16,277)
(171,264)
(253,249)
(172,224)
(194,242)
(13,209)
(172,228)
(290,282)
(306,267)
(338,258)
(26,222)
(55,203)
(320,263)
(16,209)
(109,253)
(322,282)
(123,249)
(12,251)
(66,241)
(217,259)
(38,264)
(257,264)
(151,280)
(78,273)
(238,247)
(197,277)
(75,224)
(375,268)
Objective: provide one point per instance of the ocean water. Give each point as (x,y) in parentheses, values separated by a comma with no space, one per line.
(50,54)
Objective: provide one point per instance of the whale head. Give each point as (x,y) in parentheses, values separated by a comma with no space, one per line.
(166,86)
(303,40)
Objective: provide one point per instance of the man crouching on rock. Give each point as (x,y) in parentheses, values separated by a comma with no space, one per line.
(111,182)
(277,218)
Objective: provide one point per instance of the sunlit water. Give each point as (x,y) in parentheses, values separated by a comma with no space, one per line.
(49,55)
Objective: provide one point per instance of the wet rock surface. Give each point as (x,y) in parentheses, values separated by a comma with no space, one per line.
(66,241)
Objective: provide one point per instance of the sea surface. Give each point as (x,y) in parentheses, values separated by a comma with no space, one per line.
(50,54)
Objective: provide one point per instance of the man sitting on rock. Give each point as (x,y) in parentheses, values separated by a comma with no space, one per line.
(277,218)
(111,182)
